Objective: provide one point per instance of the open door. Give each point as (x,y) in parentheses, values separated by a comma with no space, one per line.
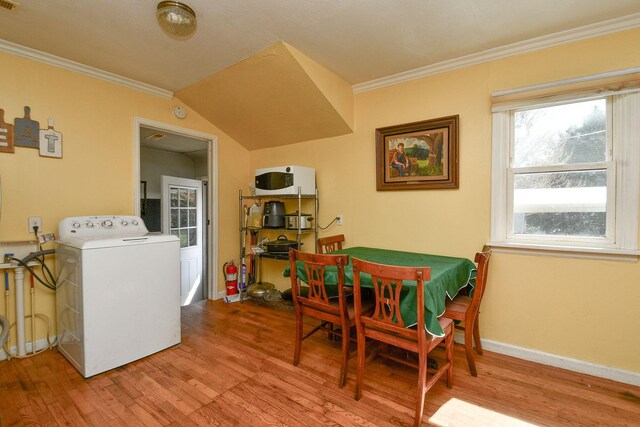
(181,206)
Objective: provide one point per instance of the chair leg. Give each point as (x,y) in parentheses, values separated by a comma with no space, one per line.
(298,344)
(448,343)
(361,357)
(422,382)
(345,355)
(476,334)
(468,348)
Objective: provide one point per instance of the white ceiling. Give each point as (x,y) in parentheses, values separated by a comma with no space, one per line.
(359,40)
(166,141)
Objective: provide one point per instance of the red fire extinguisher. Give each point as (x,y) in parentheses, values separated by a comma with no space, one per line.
(231,277)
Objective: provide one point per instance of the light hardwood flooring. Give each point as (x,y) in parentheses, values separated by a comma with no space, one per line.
(233,367)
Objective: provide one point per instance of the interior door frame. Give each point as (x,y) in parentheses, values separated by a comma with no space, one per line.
(212,188)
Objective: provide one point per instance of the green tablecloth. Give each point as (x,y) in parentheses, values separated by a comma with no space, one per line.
(448,276)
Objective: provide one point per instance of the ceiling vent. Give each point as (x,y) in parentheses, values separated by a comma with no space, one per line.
(9,4)
(154,136)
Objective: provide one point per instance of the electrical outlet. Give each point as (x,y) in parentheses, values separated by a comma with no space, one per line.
(35,221)
(340,219)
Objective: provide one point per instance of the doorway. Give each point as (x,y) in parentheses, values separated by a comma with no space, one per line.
(188,160)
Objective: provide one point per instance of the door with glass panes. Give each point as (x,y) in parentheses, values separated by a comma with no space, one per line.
(182,217)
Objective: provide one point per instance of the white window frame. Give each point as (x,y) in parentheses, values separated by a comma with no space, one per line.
(623,184)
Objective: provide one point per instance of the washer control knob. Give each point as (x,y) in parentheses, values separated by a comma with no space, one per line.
(134,222)
(76,225)
(107,223)
(124,223)
(89,224)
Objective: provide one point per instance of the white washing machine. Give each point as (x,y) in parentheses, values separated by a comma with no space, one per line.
(118,296)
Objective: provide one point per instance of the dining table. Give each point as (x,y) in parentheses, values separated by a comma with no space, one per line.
(448,276)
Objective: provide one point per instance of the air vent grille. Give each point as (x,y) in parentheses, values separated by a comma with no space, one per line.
(154,136)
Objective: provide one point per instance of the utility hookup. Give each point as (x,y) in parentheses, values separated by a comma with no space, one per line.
(35,221)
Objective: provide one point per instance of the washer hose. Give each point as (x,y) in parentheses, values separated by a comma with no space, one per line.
(39,256)
(4,324)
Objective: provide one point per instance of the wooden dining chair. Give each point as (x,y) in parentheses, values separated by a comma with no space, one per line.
(466,309)
(387,326)
(317,304)
(330,243)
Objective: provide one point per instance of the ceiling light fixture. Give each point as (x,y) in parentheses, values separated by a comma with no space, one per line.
(9,4)
(176,18)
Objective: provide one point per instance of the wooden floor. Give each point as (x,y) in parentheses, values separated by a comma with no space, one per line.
(233,367)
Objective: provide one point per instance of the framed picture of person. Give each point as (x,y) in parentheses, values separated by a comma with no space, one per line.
(418,156)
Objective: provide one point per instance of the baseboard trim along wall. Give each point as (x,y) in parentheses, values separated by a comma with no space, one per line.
(40,344)
(575,365)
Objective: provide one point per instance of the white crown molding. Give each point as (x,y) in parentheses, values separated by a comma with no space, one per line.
(56,61)
(550,40)
(575,365)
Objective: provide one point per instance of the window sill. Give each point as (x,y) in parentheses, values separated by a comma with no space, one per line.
(595,253)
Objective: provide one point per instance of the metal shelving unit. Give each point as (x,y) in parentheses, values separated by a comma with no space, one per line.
(299,232)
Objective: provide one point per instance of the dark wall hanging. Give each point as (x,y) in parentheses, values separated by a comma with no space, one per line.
(418,156)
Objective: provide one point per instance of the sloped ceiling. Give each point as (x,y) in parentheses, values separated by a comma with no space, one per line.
(276,97)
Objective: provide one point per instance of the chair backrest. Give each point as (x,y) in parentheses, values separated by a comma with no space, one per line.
(482,259)
(387,287)
(314,265)
(330,243)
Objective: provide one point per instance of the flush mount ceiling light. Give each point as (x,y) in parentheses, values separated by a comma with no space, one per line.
(176,18)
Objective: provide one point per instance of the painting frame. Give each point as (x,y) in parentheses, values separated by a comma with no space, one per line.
(430,163)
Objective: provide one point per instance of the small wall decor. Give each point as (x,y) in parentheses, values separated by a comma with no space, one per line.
(6,135)
(50,142)
(418,156)
(26,131)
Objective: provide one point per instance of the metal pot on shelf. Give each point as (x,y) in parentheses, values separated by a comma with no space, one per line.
(281,244)
(291,221)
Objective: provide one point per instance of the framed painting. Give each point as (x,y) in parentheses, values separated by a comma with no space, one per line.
(418,156)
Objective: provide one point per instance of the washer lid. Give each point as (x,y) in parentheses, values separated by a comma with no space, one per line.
(95,242)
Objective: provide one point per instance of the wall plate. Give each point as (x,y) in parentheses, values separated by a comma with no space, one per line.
(179,112)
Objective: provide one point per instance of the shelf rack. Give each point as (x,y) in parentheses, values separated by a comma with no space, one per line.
(299,231)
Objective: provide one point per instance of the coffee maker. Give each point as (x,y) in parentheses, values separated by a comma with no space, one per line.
(273,215)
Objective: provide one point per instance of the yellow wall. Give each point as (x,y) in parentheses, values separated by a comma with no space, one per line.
(95,175)
(581,309)
(575,308)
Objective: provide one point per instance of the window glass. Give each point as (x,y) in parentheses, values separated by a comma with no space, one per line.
(562,134)
(183,215)
(184,238)
(174,196)
(184,198)
(174,217)
(184,218)
(561,203)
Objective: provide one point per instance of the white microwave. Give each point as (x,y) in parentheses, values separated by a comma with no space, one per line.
(282,180)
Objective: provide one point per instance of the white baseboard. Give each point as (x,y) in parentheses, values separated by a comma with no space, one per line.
(575,365)
(40,344)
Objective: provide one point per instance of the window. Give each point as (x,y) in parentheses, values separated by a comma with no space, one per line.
(183,215)
(565,174)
